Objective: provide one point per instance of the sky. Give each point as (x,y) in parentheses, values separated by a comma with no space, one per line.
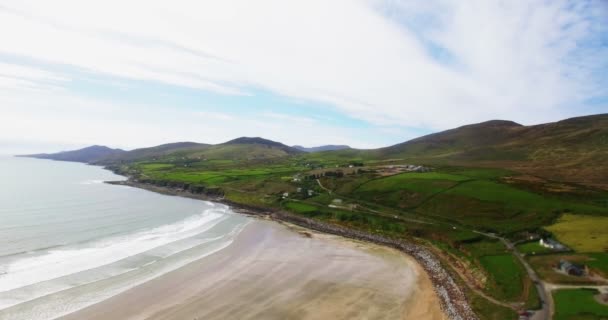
(368,74)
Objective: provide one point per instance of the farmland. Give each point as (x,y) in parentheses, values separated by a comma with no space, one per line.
(506,276)
(583,233)
(578,304)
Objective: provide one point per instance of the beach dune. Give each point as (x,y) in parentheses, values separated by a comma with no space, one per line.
(271,271)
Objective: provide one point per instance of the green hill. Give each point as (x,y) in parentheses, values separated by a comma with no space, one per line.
(245,148)
(572,150)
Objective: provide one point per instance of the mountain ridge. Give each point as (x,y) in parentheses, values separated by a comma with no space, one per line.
(572,149)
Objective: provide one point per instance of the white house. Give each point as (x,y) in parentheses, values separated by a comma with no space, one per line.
(551,244)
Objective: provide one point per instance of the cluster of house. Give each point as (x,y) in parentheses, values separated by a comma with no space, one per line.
(564,266)
(308,192)
(399,168)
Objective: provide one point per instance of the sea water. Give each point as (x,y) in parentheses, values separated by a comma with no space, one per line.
(68,240)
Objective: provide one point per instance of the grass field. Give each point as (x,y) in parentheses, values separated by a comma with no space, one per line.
(156,166)
(582,233)
(507,276)
(406,190)
(484,248)
(479,173)
(513,198)
(428,182)
(499,207)
(598,261)
(300,207)
(578,305)
(489,311)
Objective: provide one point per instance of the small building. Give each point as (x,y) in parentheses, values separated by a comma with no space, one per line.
(285,195)
(551,244)
(310,192)
(571,269)
(337,201)
(299,190)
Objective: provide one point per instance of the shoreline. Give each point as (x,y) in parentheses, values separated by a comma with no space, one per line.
(270,271)
(452,300)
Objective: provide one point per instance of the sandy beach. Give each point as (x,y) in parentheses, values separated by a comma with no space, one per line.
(271,271)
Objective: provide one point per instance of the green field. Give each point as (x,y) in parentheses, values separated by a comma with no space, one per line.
(300,207)
(406,190)
(578,305)
(499,207)
(479,173)
(488,310)
(582,233)
(506,276)
(598,261)
(429,182)
(155,166)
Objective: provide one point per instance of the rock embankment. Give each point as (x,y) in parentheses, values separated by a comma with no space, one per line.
(453,300)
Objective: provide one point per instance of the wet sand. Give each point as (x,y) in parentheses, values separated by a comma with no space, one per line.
(271,271)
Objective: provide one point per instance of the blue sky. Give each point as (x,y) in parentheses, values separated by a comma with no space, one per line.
(363,73)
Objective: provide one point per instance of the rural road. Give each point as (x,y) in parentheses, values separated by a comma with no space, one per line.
(323,187)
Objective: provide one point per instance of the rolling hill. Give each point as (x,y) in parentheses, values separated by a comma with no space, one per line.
(572,150)
(246,148)
(155,152)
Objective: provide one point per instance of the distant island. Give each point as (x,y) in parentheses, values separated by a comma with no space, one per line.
(511,212)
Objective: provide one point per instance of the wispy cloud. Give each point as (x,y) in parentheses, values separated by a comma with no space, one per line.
(398,64)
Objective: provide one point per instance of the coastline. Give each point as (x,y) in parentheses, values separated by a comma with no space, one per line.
(452,300)
(271,272)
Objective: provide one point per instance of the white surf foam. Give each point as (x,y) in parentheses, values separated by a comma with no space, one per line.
(61,262)
(77,298)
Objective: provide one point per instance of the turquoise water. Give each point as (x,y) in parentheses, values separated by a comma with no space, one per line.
(68,240)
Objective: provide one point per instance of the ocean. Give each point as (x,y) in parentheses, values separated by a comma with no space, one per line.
(68,240)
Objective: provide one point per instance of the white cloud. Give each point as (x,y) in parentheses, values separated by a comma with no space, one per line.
(522,60)
(15,76)
(49,120)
